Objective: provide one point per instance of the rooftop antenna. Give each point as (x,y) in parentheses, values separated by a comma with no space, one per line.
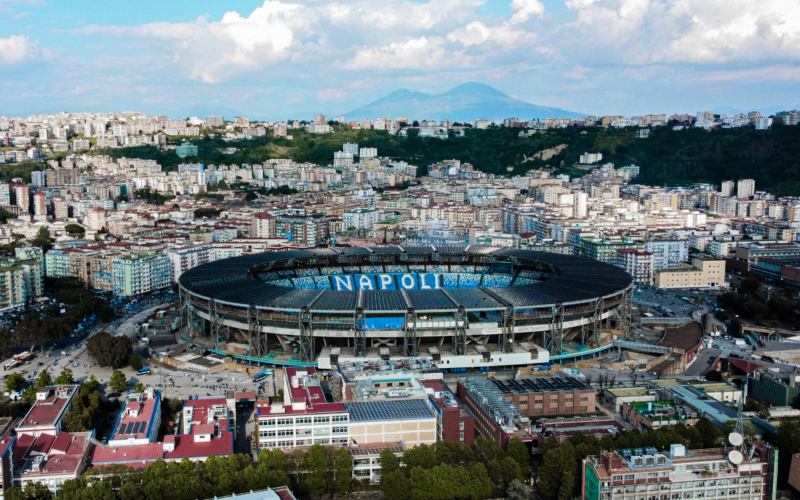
(736,438)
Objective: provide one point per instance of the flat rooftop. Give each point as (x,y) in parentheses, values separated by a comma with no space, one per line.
(136,417)
(405,409)
(527,385)
(49,407)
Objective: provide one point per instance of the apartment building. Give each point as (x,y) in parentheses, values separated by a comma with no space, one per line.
(22,277)
(183,258)
(745,188)
(139,420)
(360,218)
(135,274)
(637,263)
(702,273)
(604,250)
(667,253)
(645,474)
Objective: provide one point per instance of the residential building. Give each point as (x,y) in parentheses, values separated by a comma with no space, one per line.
(186,257)
(745,188)
(726,188)
(46,416)
(648,473)
(589,158)
(135,274)
(186,149)
(361,218)
(667,253)
(214,121)
(637,263)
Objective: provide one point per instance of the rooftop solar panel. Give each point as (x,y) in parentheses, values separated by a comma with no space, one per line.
(411,409)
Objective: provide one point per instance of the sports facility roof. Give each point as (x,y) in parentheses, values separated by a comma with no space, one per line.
(571,280)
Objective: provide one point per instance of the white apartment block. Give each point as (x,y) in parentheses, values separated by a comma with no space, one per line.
(184,258)
(745,188)
(361,218)
(589,158)
(136,274)
(668,254)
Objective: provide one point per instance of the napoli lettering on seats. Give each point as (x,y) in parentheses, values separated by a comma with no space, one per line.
(405,281)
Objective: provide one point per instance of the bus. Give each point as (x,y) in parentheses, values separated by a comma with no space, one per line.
(11,364)
(261,376)
(143,371)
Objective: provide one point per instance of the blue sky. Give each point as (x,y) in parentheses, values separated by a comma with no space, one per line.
(295,58)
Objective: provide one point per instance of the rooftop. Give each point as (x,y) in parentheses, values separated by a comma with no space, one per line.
(136,417)
(50,406)
(405,409)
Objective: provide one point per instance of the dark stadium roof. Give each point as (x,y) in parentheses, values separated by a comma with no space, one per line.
(235,281)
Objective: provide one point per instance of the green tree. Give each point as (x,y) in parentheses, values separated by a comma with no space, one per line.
(516,491)
(105,314)
(29,395)
(42,239)
(749,286)
(6,343)
(14,382)
(420,456)
(33,490)
(250,195)
(487,449)
(136,362)
(139,387)
(709,433)
(118,381)
(92,384)
(317,470)
(555,478)
(480,486)
(65,377)
(109,350)
(389,462)
(43,380)
(343,471)
(516,450)
(395,485)
(74,229)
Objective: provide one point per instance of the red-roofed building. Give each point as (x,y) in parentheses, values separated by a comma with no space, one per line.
(139,420)
(48,459)
(305,418)
(6,461)
(46,416)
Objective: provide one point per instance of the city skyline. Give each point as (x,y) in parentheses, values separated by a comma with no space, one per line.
(280,59)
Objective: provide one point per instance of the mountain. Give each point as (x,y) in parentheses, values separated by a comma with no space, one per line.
(467,102)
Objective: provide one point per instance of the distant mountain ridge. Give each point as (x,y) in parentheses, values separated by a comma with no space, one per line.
(466,102)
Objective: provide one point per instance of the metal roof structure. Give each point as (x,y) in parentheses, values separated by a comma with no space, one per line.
(403,409)
(565,280)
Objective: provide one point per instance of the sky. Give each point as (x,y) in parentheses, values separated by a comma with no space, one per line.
(277,59)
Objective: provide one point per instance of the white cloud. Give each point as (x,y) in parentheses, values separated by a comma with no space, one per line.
(416,53)
(18,48)
(477,33)
(328,95)
(577,72)
(685,31)
(525,9)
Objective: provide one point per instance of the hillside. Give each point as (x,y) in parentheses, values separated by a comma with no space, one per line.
(466,102)
(771,157)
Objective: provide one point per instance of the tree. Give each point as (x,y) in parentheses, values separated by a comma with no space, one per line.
(43,380)
(65,377)
(389,462)
(29,395)
(517,451)
(118,381)
(139,387)
(92,384)
(136,362)
(6,343)
(395,485)
(105,314)
(749,286)
(33,490)
(14,382)
(516,491)
(250,196)
(42,239)
(555,476)
(709,432)
(317,470)
(487,450)
(109,350)
(342,471)
(74,229)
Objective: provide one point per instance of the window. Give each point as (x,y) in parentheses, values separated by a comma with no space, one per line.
(303,432)
(321,420)
(461,437)
(340,418)
(584,398)
(340,430)
(303,421)
(617,478)
(285,421)
(584,408)
(285,444)
(266,434)
(628,477)
(268,423)
(285,432)
(461,425)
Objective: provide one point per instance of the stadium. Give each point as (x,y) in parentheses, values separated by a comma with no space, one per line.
(470,307)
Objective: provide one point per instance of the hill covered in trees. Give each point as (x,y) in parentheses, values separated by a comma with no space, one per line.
(672,157)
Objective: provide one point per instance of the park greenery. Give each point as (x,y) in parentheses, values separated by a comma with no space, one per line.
(450,469)
(749,302)
(667,157)
(109,350)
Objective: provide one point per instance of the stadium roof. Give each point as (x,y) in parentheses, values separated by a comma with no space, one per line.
(571,280)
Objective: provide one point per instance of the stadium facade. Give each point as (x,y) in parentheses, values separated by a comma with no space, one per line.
(462,307)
